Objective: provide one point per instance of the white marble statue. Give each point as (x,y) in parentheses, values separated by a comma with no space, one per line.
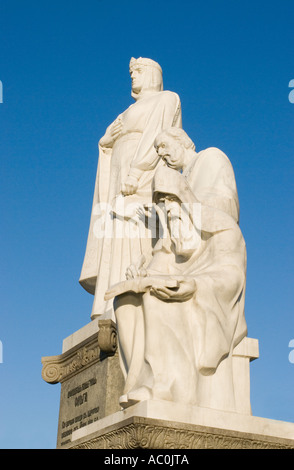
(126,166)
(180,318)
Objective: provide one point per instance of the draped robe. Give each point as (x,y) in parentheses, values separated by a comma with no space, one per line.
(182,350)
(107,257)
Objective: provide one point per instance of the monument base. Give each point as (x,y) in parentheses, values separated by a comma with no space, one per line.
(90,376)
(90,416)
(166,425)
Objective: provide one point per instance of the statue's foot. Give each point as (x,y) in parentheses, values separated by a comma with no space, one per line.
(123,401)
(141,394)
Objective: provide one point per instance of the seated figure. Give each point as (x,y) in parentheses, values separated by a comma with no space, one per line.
(180,317)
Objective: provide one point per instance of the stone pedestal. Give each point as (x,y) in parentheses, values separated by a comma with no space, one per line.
(90,376)
(165,425)
(90,416)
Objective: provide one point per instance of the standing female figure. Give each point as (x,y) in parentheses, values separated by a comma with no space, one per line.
(126,166)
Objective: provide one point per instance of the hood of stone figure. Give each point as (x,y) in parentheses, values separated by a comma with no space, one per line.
(168,181)
(171,182)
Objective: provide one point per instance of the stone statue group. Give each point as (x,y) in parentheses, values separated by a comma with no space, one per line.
(177,296)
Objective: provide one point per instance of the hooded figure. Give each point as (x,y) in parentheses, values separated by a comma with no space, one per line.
(178,325)
(126,166)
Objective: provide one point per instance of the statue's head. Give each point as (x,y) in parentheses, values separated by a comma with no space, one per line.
(174,200)
(146,75)
(170,184)
(172,146)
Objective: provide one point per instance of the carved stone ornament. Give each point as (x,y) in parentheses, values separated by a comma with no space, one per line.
(59,368)
(107,336)
(140,435)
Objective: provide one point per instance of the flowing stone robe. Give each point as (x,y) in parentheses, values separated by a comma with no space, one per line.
(133,153)
(182,350)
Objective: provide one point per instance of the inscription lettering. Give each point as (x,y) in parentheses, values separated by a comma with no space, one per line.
(81,387)
(81,399)
(77,397)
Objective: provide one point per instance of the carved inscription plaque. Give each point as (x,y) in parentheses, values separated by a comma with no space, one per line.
(88,396)
(91,381)
(80,403)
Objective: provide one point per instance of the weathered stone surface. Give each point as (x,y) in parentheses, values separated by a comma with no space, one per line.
(142,433)
(90,377)
(178,427)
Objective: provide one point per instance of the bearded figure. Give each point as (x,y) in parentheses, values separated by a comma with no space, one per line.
(181,317)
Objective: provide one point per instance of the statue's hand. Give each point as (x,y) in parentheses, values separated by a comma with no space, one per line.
(136,270)
(112,133)
(130,186)
(184,291)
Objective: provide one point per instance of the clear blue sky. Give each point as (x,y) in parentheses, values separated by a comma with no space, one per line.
(64,70)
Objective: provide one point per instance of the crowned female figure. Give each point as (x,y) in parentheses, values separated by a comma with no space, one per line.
(126,166)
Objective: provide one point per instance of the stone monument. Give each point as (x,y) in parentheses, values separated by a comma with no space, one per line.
(165,361)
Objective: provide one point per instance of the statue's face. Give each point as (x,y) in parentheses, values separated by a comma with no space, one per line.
(182,232)
(137,75)
(172,152)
